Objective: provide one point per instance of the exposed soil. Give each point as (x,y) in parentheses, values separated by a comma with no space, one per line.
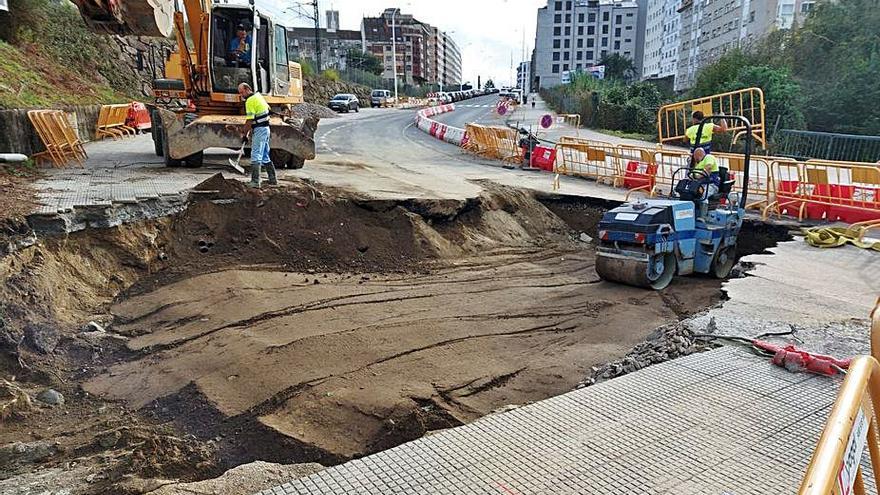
(17,199)
(303,324)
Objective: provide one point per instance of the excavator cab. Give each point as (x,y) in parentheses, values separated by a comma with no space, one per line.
(231,66)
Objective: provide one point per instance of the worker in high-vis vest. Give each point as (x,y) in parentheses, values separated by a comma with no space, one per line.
(711,176)
(709,129)
(258,124)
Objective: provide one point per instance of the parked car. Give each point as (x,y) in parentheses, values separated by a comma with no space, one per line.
(344,102)
(381,98)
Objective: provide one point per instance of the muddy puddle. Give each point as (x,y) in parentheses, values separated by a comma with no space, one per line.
(308,325)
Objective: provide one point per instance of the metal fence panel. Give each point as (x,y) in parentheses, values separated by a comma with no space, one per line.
(826,146)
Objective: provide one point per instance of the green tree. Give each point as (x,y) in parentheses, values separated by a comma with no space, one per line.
(618,67)
(365,61)
(836,56)
(490,84)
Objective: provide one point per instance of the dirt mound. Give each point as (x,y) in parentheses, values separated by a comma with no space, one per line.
(303,323)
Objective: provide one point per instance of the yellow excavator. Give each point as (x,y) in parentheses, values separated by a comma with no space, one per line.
(197,105)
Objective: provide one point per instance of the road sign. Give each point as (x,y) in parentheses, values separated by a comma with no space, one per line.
(546,121)
(502,109)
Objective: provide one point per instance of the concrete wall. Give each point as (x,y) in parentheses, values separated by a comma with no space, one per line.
(17,135)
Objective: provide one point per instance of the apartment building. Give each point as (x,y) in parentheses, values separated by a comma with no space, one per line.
(335,45)
(662,28)
(711,27)
(572,35)
(523,76)
(424,54)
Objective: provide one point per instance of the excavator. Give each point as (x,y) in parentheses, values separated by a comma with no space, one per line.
(197,105)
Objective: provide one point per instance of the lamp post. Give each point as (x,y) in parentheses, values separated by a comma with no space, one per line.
(394,50)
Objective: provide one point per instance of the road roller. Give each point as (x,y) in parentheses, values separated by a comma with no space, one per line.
(647,242)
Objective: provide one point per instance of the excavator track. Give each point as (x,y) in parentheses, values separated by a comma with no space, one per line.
(128,17)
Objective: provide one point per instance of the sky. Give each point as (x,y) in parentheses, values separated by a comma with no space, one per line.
(488,32)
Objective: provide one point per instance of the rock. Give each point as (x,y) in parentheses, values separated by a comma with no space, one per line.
(93,327)
(585,238)
(20,453)
(51,397)
(41,338)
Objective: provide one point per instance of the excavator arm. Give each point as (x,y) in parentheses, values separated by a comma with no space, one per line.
(128,17)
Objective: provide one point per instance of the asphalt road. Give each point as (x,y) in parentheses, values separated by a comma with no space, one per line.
(381,153)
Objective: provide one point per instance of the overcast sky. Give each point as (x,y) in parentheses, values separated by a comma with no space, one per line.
(488,32)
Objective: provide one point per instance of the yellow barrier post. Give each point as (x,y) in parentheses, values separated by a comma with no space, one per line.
(835,468)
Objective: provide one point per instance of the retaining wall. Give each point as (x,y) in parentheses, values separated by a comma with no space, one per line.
(17,135)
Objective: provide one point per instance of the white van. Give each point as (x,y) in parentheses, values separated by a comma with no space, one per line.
(381,98)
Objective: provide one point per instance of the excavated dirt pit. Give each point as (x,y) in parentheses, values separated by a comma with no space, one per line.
(300,325)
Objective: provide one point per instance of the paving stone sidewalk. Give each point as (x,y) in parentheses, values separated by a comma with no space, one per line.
(720,422)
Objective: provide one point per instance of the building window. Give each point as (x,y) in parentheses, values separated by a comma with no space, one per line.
(617,32)
(567,30)
(556,56)
(564,66)
(630,28)
(557,18)
(628,40)
(627,54)
(556,43)
(568,18)
(567,5)
(556,68)
(589,54)
(579,67)
(592,17)
(581,17)
(752,16)
(605,29)
(591,42)
(619,19)
(606,16)
(580,30)
(591,30)
(558,5)
(568,43)
(566,56)
(557,31)
(617,45)
(629,15)
(580,43)
(604,42)
(604,53)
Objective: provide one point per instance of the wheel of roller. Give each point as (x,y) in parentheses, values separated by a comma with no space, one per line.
(656,275)
(723,262)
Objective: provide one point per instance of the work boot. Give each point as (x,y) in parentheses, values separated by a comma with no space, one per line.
(270,169)
(255,175)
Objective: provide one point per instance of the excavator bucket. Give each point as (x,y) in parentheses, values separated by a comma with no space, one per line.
(129,17)
(294,136)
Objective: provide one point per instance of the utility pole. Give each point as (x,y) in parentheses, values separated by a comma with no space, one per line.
(394,51)
(317,34)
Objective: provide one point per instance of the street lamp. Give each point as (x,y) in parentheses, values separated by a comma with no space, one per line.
(394,50)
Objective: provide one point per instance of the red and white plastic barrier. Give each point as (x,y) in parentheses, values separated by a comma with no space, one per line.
(439,130)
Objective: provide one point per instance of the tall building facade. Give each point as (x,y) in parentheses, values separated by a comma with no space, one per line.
(332,20)
(662,28)
(572,35)
(524,76)
(335,46)
(424,54)
(710,28)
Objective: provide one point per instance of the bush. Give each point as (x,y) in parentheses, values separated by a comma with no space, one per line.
(331,74)
(307,68)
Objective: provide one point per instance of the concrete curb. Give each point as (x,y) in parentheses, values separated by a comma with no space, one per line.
(443,132)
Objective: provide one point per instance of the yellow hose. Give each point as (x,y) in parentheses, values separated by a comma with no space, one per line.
(829,237)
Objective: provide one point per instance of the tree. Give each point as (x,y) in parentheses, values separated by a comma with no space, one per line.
(490,84)
(365,61)
(618,67)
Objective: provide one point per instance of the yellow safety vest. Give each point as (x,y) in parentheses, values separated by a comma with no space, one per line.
(708,129)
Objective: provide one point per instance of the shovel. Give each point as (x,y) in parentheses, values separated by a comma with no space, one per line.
(236,163)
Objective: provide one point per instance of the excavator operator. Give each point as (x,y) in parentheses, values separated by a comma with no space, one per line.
(240,48)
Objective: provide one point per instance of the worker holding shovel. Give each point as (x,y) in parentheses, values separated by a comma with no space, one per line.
(257,124)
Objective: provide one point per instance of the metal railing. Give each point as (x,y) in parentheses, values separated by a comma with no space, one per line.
(674,119)
(836,464)
(804,145)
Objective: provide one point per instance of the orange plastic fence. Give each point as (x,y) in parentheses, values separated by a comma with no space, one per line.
(58,136)
(674,119)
